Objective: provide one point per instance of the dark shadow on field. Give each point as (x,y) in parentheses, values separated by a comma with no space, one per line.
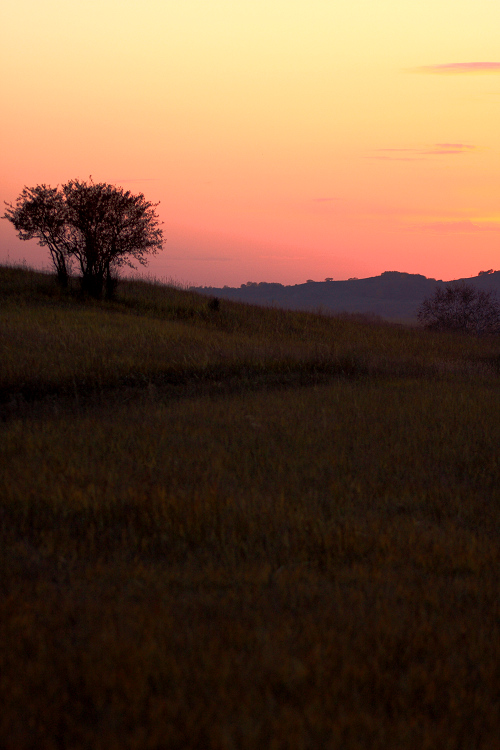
(215,383)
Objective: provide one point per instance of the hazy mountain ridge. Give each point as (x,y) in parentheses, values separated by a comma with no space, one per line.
(393,294)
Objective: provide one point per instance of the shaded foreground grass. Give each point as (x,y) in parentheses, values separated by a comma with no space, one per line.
(282,564)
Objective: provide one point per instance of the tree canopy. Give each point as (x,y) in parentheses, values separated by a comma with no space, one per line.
(99,226)
(461,307)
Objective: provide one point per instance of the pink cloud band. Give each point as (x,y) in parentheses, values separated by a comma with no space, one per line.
(465,225)
(412,154)
(459,68)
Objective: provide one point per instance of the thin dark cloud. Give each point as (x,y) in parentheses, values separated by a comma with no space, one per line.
(138,179)
(464,225)
(418,154)
(444,149)
(393,158)
(204,258)
(458,68)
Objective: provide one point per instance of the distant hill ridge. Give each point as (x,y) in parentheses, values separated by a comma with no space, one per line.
(393,295)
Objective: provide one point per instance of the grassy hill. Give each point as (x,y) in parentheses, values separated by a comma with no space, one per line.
(392,295)
(243,527)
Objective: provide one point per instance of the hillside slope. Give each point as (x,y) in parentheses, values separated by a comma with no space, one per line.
(243,527)
(392,295)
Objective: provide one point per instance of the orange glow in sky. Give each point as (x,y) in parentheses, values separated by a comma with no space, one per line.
(284,139)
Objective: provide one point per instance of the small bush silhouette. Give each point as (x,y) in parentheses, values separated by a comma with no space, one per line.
(461,307)
(214,304)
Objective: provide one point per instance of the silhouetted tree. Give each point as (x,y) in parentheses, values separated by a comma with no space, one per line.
(41,212)
(461,307)
(100,226)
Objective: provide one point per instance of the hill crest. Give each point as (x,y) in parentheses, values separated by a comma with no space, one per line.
(394,294)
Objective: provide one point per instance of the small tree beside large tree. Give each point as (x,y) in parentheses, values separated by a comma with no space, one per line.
(99,226)
(461,307)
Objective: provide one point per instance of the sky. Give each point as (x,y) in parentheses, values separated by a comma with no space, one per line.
(285,140)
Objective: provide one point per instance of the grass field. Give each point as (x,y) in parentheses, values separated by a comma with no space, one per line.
(243,528)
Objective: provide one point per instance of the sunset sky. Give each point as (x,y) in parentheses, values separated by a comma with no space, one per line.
(285,140)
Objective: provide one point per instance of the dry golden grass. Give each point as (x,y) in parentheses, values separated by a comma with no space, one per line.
(243,529)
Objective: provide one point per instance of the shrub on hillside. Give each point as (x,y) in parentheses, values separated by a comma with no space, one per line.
(461,307)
